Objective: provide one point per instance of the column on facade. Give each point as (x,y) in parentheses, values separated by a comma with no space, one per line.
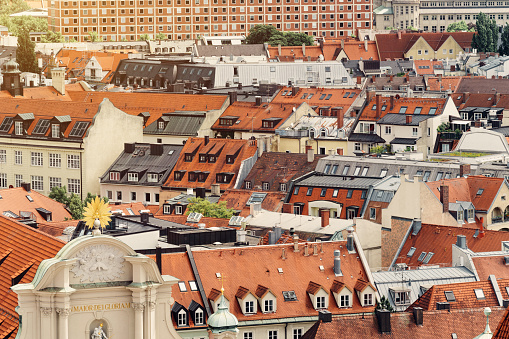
(138,319)
(63,322)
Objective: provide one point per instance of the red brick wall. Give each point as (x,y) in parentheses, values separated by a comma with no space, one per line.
(392,239)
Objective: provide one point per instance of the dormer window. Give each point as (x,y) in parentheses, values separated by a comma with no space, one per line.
(202,176)
(182,318)
(55,131)
(179,209)
(152,177)
(249,307)
(132,176)
(270,122)
(212,159)
(166,209)
(192,176)
(368,299)
(18,127)
(247,185)
(224,178)
(114,176)
(401,297)
(228,121)
(202,158)
(268,306)
(471,214)
(319,297)
(198,317)
(460,216)
(178,175)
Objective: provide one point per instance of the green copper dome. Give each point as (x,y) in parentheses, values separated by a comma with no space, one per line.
(222,320)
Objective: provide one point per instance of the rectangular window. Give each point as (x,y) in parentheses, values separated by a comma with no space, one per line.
(297,333)
(344,301)
(3,156)
(37,182)
(74,186)
(152,177)
(36,158)
(248,335)
(114,176)
(18,128)
(268,306)
(3,180)
(368,299)
(73,161)
(55,160)
(249,306)
(54,182)
(372,213)
(132,176)
(320,302)
(273,334)
(18,180)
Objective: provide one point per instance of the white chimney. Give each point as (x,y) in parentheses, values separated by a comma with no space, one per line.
(255,209)
(58,79)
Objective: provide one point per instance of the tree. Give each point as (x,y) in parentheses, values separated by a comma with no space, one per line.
(494,36)
(384,304)
(21,23)
(93,36)
(260,34)
(504,46)
(278,39)
(25,54)
(144,37)
(208,209)
(160,36)
(59,194)
(486,39)
(297,39)
(52,37)
(459,27)
(75,207)
(8,7)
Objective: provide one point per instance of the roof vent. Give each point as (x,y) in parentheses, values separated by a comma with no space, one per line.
(461,242)
(337,263)
(325,316)
(443,306)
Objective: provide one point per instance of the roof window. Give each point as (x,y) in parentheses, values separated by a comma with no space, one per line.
(79,129)
(432,111)
(41,127)
(479,192)
(346,95)
(289,295)
(182,286)
(30,198)
(449,296)
(193,286)
(421,256)
(418,110)
(411,252)
(322,96)
(6,124)
(428,257)
(328,96)
(403,109)
(479,294)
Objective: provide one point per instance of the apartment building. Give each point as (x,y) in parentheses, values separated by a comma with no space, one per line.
(127,20)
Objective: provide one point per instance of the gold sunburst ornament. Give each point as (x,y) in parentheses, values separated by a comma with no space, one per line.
(97,215)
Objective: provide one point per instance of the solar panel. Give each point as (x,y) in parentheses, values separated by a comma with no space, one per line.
(6,124)
(41,127)
(79,129)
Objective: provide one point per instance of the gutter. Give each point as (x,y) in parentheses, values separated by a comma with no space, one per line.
(198,280)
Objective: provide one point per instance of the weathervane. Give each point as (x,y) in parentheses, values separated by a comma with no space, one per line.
(97,215)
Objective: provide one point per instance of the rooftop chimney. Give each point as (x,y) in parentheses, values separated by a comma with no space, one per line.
(129,148)
(310,153)
(258,100)
(407,76)
(324,215)
(233,97)
(296,243)
(378,106)
(158,258)
(464,170)
(200,192)
(26,186)
(340,117)
(306,250)
(391,78)
(272,238)
(399,35)
(349,240)
(215,190)
(342,44)
(324,315)
(303,49)
(337,263)
(287,207)
(418,316)
(295,90)
(461,242)
(359,80)
(315,249)
(144,217)
(206,140)
(392,103)
(58,79)
(156,149)
(444,198)
(292,231)
(384,320)
(408,119)
(366,45)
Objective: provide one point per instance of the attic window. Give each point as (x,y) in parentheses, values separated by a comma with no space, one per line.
(418,110)
(479,192)
(384,107)
(403,109)
(41,127)
(30,198)
(428,257)
(432,111)
(289,296)
(182,286)
(328,96)
(449,296)
(322,97)
(411,252)
(346,95)
(421,256)
(304,96)
(79,129)
(352,95)
(479,294)
(310,96)
(6,124)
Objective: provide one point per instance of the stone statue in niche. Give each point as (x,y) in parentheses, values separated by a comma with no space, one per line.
(98,263)
(98,333)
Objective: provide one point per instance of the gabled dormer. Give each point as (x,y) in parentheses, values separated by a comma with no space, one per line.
(197,313)
(228,120)
(247,301)
(22,123)
(180,315)
(232,155)
(318,295)
(267,299)
(214,298)
(214,153)
(162,122)
(59,125)
(145,116)
(365,292)
(342,294)
(191,152)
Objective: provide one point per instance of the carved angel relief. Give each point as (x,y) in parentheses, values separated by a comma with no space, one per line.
(98,263)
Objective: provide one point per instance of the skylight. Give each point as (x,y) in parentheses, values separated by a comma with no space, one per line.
(411,252)
(289,295)
(428,257)
(432,111)
(79,129)
(130,211)
(41,127)
(418,110)
(421,256)
(479,293)
(322,96)
(256,198)
(479,192)
(403,109)
(449,296)
(6,124)
(328,96)
(346,95)
(182,286)
(30,198)
(193,286)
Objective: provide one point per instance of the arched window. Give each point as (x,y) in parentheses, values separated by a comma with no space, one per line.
(311,133)
(323,133)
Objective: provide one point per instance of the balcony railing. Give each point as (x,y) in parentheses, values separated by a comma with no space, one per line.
(496,220)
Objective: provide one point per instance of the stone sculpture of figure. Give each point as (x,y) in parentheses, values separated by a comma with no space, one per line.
(99,333)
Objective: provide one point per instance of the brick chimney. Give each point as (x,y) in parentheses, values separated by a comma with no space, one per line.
(391,78)
(341,117)
(408,119)
(407,78)
(324,216)
(464,170)
(444,197)
(359,80)
(378,106)
(399,35)
(478,123)
(310,153)
(287,208)
(392,104)
(373,77)
(370,95)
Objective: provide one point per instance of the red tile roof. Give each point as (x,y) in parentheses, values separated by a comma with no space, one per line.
(250,117)
(245,148)
(502,330)
(292,53)
(242,267)
(369,114)
(466,189)
(136,207)
(486,265)
(394,46)
(436,324)
(20,245)
(443,83)
(464,295)
(16,201)
(439,240)
(56,229)
(336,97)
(238,198)
(45,92)
(356,50)
(427,67)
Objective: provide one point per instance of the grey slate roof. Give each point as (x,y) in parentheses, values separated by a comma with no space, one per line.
(182,123)
(143,162)
(227,50)
(400,119)
(337,181)
(403,141)
(413,280)
(365,137)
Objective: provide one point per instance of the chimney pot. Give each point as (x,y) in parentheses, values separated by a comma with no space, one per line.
(341,117)
(296,243)
(306,250)
(310,153)
(349,240)
(392,103)
(378,106)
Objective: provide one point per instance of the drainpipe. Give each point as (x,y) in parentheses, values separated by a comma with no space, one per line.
(81,172)
(286,325)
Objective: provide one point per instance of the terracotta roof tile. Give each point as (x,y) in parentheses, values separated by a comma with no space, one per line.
(483,85)
(238,198)
(356,50)
(15,200)
(466,189)
(443,83)
(337,286)
(242,292)
(423,67)
(439,239)
(320,97)
(436,324)
(361,285)
(369,113)
(502,330)
(27,247)
(313,287)
(56,229)
(261,291)
(487,265)
(247,149)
